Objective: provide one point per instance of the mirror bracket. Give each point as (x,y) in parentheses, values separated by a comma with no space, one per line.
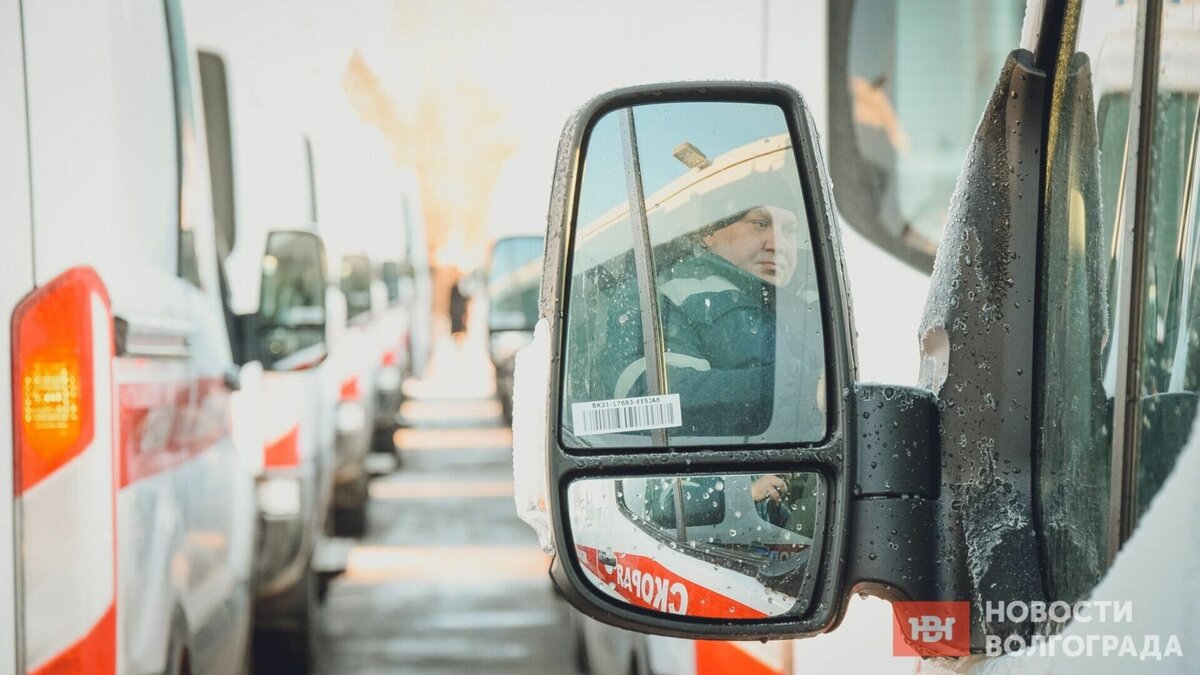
(894,515)
(899,450)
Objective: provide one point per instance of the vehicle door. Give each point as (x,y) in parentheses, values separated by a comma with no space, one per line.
(1114,390)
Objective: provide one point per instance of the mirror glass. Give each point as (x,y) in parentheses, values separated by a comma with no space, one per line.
(389,274)
(513,278)
(916,99)
(734,546)
(692,218)
(356,285)
(291,319)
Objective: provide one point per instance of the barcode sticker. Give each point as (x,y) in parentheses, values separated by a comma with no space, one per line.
(626,414)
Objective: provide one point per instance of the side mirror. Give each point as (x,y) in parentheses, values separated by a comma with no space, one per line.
(513,274)
(291,320)
(356,286)
(708,450)
(697,334)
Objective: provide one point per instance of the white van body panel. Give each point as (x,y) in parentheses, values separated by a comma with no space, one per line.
(105,193)
(16,279)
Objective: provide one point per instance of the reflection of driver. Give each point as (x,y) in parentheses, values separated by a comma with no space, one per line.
(718,313)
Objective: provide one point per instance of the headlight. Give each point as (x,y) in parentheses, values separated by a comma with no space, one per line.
(350,417)
(388,379)
(279,497)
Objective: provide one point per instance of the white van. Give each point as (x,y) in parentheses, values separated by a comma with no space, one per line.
(261,172)
(1092,473)
(126,545)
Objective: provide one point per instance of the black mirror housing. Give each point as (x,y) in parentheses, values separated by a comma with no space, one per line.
(829,457)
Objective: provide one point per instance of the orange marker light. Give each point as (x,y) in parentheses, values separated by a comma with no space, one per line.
(52,374)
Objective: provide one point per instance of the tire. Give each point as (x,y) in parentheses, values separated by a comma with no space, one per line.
(291,652)
(179,660)
(384,439)
(350,509)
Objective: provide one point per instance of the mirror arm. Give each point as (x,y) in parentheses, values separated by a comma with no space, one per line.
(894,505)
(643,253)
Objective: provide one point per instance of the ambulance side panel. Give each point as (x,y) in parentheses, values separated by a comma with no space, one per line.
(16,279)
(120,184)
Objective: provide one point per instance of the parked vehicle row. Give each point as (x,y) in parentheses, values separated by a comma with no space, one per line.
(184,413)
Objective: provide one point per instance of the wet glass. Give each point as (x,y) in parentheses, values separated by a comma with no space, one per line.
(1169,338)
(1081,258)
(728,277)
(732,546)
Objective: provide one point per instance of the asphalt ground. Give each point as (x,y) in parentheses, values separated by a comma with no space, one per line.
(447,578)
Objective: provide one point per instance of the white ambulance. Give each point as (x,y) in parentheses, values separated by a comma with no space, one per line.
(127,527)
(1099,468)
(265,211)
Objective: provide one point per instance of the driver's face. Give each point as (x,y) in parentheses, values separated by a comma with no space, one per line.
(762,242)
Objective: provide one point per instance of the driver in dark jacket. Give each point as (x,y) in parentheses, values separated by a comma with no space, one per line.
(718,309)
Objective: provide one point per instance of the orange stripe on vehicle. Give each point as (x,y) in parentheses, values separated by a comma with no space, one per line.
(726,658)
(164,424)
(283,452)
(95,653)
(643,582)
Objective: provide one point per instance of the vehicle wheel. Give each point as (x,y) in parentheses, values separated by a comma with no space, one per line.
(384,440)
(350,509)
(291,652)
(179,661)
(507,407)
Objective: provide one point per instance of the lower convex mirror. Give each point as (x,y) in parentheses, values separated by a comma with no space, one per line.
(732,546)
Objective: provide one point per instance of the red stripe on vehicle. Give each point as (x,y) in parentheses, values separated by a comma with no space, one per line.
(165,424)
(283,452)
(726,658)
(95,653)
(643,582)
(349,391)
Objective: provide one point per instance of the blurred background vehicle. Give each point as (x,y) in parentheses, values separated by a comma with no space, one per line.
(277,290)
(514,272)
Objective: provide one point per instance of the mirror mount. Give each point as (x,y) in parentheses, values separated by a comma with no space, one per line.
(896,531)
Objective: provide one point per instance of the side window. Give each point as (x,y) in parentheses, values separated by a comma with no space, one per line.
(904,103)
(728,279)
(1169,335)
(186,139)
(1084,196)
